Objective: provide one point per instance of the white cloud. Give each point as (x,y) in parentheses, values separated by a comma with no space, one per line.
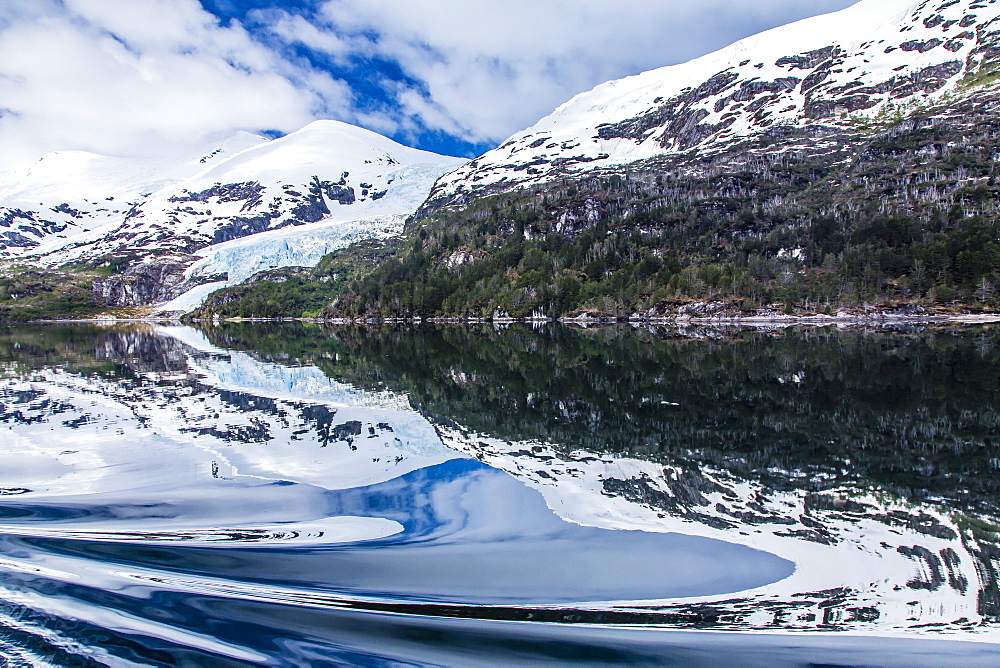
(492,68)
(133,77)
(294,29)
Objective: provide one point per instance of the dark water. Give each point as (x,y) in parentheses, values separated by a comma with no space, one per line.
(294,495)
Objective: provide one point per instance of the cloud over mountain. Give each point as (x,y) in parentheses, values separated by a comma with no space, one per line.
(142,77)
(153,76)
(482,70)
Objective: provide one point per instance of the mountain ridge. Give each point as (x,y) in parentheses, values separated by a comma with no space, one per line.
(890,201)
(140,229)
(842,162)
(804,75)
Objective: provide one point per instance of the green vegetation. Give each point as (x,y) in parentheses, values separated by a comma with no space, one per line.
(906,211)
(30,294)
(980,529)
(901,209)
(296,292)
(667,255)
(986,74)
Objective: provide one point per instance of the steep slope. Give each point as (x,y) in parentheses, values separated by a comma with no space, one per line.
(75,196)
(325,171)
(174,228)
(234,262)
(847,161)
(355,183)
(809,80)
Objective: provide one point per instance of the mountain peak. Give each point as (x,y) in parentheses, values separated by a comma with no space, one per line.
(816,76)
(166,221)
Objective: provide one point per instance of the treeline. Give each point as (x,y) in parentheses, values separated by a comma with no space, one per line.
(297,291)
(618,272)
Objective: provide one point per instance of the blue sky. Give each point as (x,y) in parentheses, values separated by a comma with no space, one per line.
(152,77)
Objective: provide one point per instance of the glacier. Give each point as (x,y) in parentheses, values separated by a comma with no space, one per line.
(308,193)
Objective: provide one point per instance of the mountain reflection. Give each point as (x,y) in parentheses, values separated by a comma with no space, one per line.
(915,414)
(867,459)
(821,437)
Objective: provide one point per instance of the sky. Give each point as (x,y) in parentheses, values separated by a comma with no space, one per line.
(158,77)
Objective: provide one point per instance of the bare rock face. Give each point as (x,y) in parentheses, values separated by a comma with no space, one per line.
(807,83)
(163,278)
(24,229)
(143,283)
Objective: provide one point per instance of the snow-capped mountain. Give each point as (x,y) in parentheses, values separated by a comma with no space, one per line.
(151,218)
(807,81)
(325,171)
(70,195)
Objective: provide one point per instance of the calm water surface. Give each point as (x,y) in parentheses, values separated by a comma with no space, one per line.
(294,495)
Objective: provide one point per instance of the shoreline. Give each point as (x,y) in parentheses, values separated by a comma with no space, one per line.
(775,320)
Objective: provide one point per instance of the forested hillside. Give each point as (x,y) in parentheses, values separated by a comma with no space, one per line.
(902,211)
